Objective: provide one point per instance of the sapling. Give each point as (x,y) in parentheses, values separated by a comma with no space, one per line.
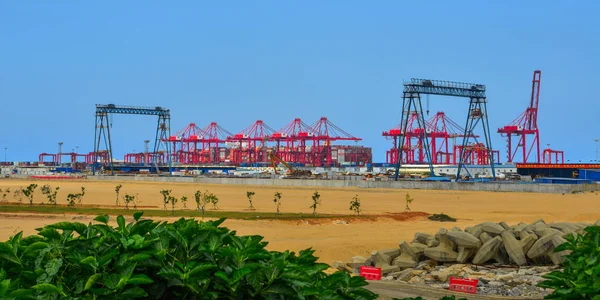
(50,193)
(316,198)
(206,199)
(409,200)
(29,191)
(129,199)
(166,197)
(71,199)
(198,199)
(277,200)
(355,205)
(80,195)
(117,190)
(173,202)
(214,200)
(184,201)
(249,195)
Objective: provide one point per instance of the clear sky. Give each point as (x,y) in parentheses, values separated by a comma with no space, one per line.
(239,61)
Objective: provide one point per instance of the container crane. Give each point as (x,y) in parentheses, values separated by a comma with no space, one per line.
(525,124)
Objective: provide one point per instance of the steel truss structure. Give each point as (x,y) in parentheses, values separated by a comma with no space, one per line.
(103,125)
(477,114)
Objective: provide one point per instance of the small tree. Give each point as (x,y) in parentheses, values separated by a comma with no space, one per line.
(29,191)
(80,195)
(409,200)
(206,199)
(316,198)
(18,195)
(117,190)
(166,197)
(129,199)
(198,199)
(355,205)
(277,200)
(71,198)
(184,201)
(249,195)
(50,193)
(173,202)
(214,200)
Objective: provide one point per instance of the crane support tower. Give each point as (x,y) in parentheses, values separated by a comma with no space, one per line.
(477,114)
(525,124)
(103,125)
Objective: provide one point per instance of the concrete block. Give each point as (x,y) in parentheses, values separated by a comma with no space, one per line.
(455,229)
(484,237)
(540,228)
(381,258)
(558,257)
(474,231)
(504,225)
(514,249)
(538,221)
(492,228)
(464,239)
(393,252)
(464,254)
(562,226)
(541,247)
(487,251)
(387,269)
(444,251)
(406,249)
(404,261)
(423,238)
(501,256)
(357,262)
(527,241)
(418,248)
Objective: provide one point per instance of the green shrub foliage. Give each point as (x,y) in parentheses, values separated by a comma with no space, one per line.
(147,259)
(580,276)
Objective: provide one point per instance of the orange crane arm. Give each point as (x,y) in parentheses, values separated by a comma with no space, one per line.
(274,158)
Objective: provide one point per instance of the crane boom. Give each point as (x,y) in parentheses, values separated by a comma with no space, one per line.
(274,158)
(535,100)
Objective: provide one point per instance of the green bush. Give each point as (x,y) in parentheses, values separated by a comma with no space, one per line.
(146,259)
(580,277)
(441,218)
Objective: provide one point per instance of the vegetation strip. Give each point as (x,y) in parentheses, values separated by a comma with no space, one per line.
(47,209)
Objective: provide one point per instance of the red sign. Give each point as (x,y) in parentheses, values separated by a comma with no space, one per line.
(558,166)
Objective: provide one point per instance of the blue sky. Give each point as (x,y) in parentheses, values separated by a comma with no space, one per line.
(236,62)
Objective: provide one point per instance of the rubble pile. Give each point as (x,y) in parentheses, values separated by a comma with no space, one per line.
(521,253)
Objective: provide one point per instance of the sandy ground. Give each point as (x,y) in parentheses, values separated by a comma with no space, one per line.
(333,240)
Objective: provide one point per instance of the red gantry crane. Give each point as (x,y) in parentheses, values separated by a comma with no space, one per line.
(184,144)
(194,145)
(442,129)
(250,144)
(408,150)
(325,132)
(291,141)
(525,124)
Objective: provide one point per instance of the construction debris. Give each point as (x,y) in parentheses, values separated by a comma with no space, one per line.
(486,243)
